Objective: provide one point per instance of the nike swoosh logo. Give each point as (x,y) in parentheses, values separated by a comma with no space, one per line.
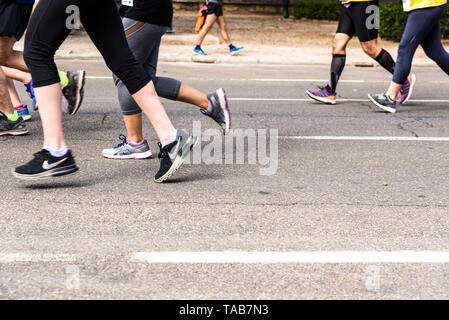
(48,166)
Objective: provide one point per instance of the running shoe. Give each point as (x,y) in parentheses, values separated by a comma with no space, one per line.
(173,155)
(384,102)
(12,128)
(235,50)
(45,166)
(23,112)
(220,109)
(323,94)
(128,150)
(74,91)
(199,51)
(30,89)
(407,89)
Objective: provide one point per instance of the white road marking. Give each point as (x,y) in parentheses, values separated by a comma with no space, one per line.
(366,138)
(338,99)
(270,257)
(36,257)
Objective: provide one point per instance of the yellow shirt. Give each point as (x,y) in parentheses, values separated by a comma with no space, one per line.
(410,5)
(347,1)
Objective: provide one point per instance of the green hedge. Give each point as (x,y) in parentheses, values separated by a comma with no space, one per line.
(392,17)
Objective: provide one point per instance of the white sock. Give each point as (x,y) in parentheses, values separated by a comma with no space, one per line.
(172,138)
(56,153)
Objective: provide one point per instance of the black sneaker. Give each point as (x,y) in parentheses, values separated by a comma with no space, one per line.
(44,166)
(173,155)
(74,91)
(220,109)
(13,128)
(384,102)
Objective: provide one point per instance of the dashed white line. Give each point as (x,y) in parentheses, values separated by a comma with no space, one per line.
(270,257)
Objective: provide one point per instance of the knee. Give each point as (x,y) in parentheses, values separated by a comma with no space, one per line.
(5,53)
(338,46)
(370,49)
(41,56)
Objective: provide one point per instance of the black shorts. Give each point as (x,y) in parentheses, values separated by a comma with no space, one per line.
(353,21)
(215,8)
(14,18)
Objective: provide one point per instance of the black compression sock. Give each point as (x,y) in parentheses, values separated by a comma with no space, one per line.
(337,66)
(386,61)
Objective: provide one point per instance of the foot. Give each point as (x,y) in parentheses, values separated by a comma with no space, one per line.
(384,102)
(12,128)
(30,89)
(235,50)
(74,91)
(323,95)
(23,112)
(407,89)
(173,155)
(198,51)
(128,150)
(220,109)
(45,166)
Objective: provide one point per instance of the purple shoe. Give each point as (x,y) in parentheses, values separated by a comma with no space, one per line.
(407,89)
(323,95)
(220,109)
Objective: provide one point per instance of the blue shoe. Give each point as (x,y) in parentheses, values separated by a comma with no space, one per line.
(23,112)
(30,89)
(199,51)
(235,50)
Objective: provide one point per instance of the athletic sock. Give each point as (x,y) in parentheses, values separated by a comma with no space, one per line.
(56,153)
(337,66)
(64,79)
(19,107)
(197,47)
(386,61)
(135,144)
(172,139)
(12,117)
(231,46)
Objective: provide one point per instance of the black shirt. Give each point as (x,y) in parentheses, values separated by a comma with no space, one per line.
(158,12)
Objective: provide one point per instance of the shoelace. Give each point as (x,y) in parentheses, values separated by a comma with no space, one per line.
(162,153)
(124,141)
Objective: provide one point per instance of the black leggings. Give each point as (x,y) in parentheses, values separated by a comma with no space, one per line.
(47,31)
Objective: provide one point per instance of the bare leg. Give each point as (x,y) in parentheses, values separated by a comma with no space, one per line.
(191,95)
(18,75)
(149,102)
(9,57)
(371,48)
(210,20)
(223,30)
(133,125)
(51,115)
(5,99)
(393,90)
(15,99)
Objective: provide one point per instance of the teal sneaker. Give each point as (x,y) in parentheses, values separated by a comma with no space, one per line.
(199,51)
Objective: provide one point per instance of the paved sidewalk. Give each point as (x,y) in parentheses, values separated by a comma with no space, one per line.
(267,39)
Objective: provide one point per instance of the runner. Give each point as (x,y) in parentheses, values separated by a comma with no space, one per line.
(356,19)
(422,28)
(215,14)
(14,18)
(145,23)
(100,18)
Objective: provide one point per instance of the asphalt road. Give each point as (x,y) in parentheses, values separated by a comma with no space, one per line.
(342,191)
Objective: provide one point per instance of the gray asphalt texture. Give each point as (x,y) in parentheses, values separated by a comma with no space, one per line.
(326,195)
